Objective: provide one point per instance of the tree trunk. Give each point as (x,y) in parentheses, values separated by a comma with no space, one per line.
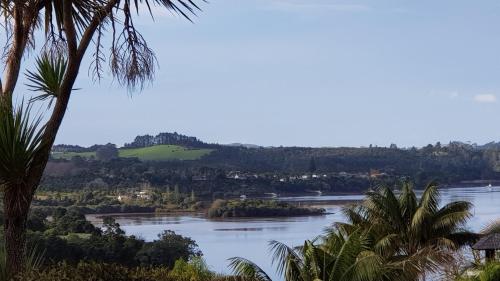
(14,244)
(16,209)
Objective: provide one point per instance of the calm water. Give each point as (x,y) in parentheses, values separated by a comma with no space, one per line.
(248,238)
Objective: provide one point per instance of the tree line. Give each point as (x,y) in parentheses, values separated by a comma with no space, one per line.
(271,169)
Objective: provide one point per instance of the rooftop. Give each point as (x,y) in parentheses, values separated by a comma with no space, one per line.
(488,242)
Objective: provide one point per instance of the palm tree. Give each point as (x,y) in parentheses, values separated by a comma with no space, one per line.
(69,28)
(387,237)
(338,257)
(406,228)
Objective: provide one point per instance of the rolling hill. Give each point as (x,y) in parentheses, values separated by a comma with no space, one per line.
(151,153)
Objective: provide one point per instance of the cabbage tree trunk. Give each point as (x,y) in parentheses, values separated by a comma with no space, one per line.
(16,208)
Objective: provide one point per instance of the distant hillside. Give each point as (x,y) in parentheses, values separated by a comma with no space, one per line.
(490,145)
(74,148)
(157,153)
(245,145)
(219,171)
(164,152)
(162,147)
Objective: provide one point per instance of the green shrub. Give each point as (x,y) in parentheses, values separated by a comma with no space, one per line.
(195,270)
(488,272)
(491,272)
(183,271)
(167,249)
(81,272)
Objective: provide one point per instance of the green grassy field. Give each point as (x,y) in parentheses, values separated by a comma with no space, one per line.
(69,155)
(155,153)
(164,152)
(79,235)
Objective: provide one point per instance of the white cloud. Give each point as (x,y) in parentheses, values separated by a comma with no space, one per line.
(485,98)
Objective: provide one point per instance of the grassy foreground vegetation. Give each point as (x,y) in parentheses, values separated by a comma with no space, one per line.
(487,272)
(151,153)
(195,270)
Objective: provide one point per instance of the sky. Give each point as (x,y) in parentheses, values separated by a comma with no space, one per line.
(308,73)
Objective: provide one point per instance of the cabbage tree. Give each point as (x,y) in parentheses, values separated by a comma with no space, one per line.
(60,33)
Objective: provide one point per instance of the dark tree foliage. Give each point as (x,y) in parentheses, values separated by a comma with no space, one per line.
(71,222)
(106,152)
(312,165)
(71,238)
(111,227)
(169,245)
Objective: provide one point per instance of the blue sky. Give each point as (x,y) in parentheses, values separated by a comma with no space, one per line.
(309,73)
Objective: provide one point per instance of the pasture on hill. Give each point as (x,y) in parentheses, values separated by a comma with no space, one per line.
(151,153)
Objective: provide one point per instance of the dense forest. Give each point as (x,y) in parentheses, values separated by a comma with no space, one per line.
(229,171)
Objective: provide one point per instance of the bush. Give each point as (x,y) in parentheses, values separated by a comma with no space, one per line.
(195,270)
(490,273)
(183,271)
(169,248)
(71,221)
(82,272)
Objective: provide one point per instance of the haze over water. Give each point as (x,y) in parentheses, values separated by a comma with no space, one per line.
(249,238)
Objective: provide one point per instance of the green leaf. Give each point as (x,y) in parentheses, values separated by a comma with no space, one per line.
(48,76)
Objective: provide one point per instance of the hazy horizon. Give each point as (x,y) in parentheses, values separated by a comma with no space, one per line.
(308,73)
(247,143)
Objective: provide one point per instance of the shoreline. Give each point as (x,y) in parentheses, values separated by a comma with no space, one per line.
(306,201)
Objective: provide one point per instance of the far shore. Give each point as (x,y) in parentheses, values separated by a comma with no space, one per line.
(307,202)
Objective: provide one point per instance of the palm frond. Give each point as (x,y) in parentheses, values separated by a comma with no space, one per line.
(346,257)
(407,201)
(452,216)
(287,261)
(369,266)
(427,207)
(247,269)
(386,244)
(182,7)
(355,214)
(430,197)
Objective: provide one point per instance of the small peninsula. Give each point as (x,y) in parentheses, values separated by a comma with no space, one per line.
(258,208)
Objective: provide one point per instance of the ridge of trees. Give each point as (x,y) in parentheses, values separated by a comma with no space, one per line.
(168,138)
